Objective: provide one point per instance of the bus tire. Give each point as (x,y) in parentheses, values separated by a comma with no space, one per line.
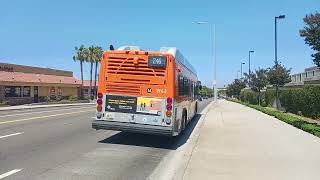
(196,109)
(184,120)
(182,123)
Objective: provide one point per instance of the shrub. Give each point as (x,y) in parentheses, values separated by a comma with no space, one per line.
(252,97)
(249,96)
(311,128)
(73,98)
(46,98)
(295,100)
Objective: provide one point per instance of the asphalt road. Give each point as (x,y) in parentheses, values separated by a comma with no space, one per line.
(58,143)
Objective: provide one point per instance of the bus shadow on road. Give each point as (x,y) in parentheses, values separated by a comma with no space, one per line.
(154,141)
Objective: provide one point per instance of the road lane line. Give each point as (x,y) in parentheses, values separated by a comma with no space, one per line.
(40,117)
(65,109)
(9,173)
(11,135)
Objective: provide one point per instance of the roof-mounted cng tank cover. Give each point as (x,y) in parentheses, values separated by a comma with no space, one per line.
(130,48)
(179,57)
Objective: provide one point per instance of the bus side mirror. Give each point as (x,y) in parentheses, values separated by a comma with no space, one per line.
(200,87)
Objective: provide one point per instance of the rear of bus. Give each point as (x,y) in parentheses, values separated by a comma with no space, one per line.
(135,92)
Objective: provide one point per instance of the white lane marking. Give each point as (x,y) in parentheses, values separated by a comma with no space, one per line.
(40,117)
(9,173)
(65,109)
(11,135)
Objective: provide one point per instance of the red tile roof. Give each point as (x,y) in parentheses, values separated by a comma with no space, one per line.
(37,78)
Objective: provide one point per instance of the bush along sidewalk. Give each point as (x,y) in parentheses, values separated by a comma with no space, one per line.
(311,128)
(305,101)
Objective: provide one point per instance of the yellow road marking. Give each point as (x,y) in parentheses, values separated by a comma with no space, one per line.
(40,117)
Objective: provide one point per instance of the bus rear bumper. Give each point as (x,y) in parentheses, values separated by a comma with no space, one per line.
(132,127)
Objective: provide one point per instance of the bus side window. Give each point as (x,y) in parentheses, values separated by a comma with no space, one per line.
(180,85)
(187,87)
(193,90)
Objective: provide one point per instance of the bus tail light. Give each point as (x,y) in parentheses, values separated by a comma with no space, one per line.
(168,121)
(169,107)
(99,108)
(168,113)
(99,101)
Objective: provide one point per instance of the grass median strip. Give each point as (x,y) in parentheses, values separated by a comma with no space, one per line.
(41,117)
(295,121)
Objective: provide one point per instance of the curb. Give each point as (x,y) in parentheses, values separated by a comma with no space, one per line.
(44,106)
(173,166)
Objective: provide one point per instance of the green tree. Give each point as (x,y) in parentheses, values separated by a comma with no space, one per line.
(98,56)
(278,75)
(311,35)
(81,56)
(259,81)
(235,88)
(91,60)
(205,91)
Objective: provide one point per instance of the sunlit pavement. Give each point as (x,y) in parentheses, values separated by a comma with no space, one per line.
(236,142)
(59,143)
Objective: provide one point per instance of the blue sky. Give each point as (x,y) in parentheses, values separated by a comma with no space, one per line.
(43,33)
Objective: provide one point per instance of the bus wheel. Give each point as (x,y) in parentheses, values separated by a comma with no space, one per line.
(183,121)
(196,109)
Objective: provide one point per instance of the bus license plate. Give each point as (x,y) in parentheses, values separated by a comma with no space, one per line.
(110,115)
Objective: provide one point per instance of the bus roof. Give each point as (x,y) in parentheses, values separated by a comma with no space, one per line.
(170,50)
(179,57)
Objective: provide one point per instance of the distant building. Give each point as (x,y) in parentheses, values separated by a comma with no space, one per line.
(25,84)
(309,76)
(86,87)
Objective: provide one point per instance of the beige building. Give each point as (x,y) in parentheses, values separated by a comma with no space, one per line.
(309,76)
(25,84)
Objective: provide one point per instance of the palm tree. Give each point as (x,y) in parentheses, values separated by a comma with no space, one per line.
(91,59)
(98,56)
(81,56)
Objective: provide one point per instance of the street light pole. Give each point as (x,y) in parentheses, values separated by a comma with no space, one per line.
(276,53)
(241,69)
(214,59)
(215,64)
(250,65)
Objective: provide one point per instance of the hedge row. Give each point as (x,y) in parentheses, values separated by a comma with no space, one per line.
(305,101)
(252,97)
(312,128)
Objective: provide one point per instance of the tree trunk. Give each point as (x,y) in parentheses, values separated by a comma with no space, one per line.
(278,103)
(81,69)
(90,90)
(95,80)
(259,98)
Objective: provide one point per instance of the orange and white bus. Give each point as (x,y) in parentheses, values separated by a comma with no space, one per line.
(146,92)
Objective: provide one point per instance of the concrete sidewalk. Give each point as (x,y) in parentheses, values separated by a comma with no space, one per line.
(237,142)
(29,106)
